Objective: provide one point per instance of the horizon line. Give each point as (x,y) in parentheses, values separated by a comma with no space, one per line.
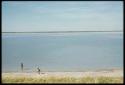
(61,31)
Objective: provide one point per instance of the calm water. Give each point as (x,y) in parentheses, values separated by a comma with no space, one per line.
(62,51)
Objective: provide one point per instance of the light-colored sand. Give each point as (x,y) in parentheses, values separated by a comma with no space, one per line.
(115,73)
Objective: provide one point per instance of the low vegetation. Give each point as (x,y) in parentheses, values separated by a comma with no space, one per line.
(55,79)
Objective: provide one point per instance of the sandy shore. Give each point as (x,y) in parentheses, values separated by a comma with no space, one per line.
(114,73)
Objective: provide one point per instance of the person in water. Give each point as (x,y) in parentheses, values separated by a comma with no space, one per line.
(38,70)
(22,67)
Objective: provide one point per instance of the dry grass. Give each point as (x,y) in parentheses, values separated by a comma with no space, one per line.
(10,78)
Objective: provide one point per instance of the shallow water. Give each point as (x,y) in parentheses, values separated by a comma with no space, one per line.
(62,51)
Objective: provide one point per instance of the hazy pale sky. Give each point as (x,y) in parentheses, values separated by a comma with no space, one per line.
(62,16)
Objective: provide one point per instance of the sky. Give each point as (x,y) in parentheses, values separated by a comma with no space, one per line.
(62,16)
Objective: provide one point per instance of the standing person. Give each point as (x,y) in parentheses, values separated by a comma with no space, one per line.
(38,70)
(22,67)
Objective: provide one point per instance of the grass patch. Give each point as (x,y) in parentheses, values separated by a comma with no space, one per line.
(53,79)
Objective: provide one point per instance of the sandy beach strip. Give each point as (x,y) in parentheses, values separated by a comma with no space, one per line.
(115,73)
